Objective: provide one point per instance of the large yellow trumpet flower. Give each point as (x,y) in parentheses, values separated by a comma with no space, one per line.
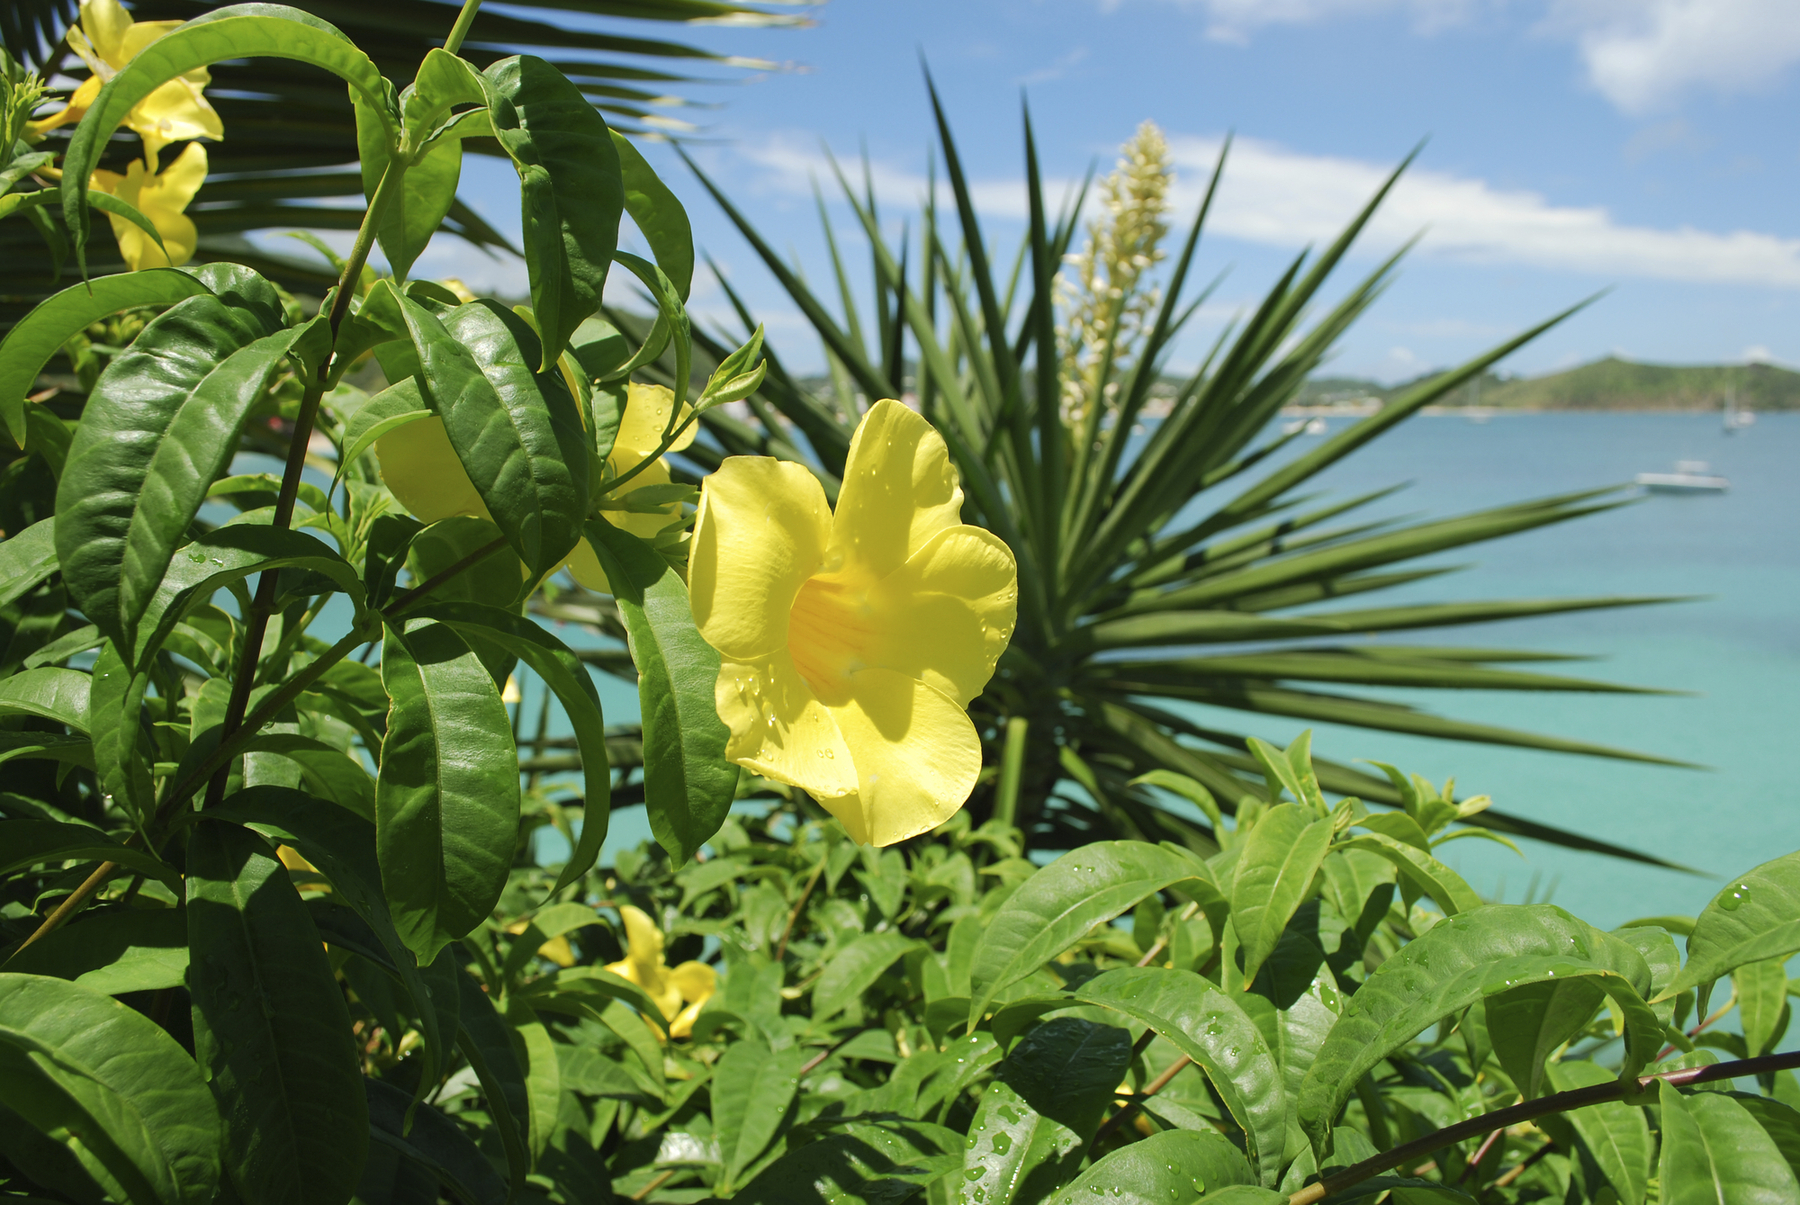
(851,644)
(106,40)
(162,197)
(679,992)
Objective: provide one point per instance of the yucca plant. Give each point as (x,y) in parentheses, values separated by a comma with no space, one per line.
(1169,553)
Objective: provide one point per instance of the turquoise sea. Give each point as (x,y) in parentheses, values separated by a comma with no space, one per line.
(1738,650)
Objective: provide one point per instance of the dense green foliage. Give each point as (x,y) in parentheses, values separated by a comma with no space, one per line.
(1606,384)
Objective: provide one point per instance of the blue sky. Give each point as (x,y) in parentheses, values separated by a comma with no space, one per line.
(1646,146)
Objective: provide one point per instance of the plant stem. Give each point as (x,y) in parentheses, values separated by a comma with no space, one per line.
(418,593)
(1561,1102)
(1151,1089)
(70,906)
(264,603)
(794,916)
(460,30)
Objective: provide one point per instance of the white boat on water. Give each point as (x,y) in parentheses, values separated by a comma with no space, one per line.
(1736,418)
(1317,426)
(1689,477)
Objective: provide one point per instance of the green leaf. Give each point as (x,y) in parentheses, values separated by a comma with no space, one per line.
(434,1142)
(40,334)
(1756,917)
(103,201)
(270,1026)
(568,678)
(515,429)
(342,845)
(325,769)
(26,843)
(447,797)
(130,950)
(27,559)
(1714,1151)
(106,1084)
(1464,959)
(865,1162)
(485,1040)
(162,423)
(115,715)
(853,970)
(1531,1022)
(672,324)
(1779,1121)
(1430,876)
(1614,1133)
(752,1087)
(230,554)
(688,784)
(570,190)
(1275,870)
(1058,905)
(237,31)
(1762,996)
(426,193)
(49,692)
(1042,1109)
(1171,1168)
(1208,1026)
(658,214)
(543,1076)
(389,410)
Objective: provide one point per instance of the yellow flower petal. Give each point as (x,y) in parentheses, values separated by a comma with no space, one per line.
(646,417)
(106,24)
(584,566)
(900,489)
(947,614)
(161,198)
(138,35)
(683,1025)
(695,981)
(761,532)
(917,757)
(558,950)
(174,112)
(643,945)
(779,729)
(423,471)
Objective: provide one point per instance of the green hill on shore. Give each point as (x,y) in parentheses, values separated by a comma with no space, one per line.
(1609,384)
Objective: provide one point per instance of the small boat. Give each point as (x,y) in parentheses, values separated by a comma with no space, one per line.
(1689,477)
(1293,427)
(1736,418)
(1317,426)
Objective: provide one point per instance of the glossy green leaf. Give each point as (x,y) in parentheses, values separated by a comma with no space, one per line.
(1464,959)
(389,410)
(229,554)
(162,423)
(1781,1122)
(688,784)
(1059,904)
(1762,989)
(658,215)
(543,1077)
(130,950)
(38,336)
(1756,917)
(515,429)
(447,796)
(27,558)
(1038,1115)
(326,771)
(426,193)
(853,970)
(237,31)
(270,1026)
(1275,869)
(672,324)
(1614,1133)
(569,680)
(1172,1168)
(342,845)
(115,722)
(433,1142)
(865,1162)
(752,1087)
(1714,1151)
(484,1039)
(1430,876)
(26,843)
(122,1100)
(1528,1024)
(571,191)
(49,692)
(1208,1026)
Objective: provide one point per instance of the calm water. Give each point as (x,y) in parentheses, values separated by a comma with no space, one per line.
(1739,650)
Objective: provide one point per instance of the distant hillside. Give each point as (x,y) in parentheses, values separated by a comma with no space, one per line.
(1609,384)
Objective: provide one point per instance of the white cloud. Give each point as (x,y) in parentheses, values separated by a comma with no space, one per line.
(1643,54)
(1279,197)
(1233,20)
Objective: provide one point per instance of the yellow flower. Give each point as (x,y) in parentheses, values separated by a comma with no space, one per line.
(106,40)
(680,992)
(557,949)
(640,433)
(851,645)
(161,198)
